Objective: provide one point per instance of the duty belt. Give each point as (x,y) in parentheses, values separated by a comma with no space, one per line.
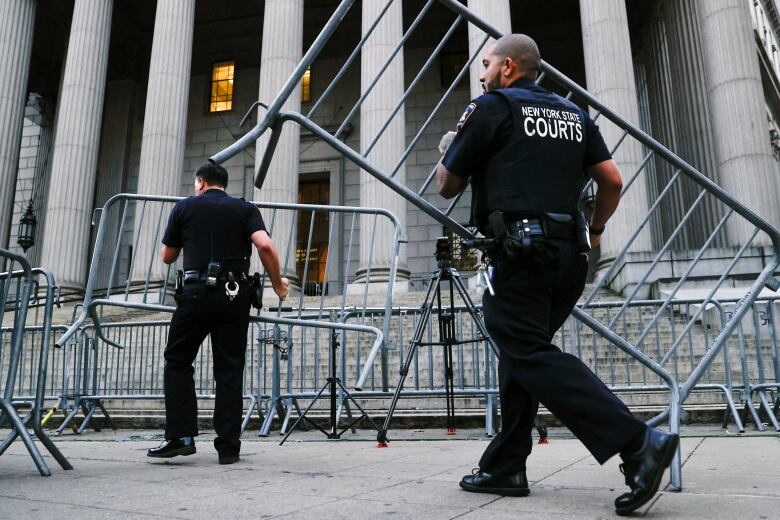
(196,276)
(558,226)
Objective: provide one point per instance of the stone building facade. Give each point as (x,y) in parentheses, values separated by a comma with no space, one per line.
(100,96)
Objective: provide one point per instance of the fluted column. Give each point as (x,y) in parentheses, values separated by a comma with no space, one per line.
(738,112)
(76,141)
(280,54)
(691,115)
(165,121)
(662,124)
(17,18)
(497,13)
(610,77)
(111,174)
(165,117)
(390,146)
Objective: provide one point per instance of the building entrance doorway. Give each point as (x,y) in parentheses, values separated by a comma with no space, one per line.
(312,237)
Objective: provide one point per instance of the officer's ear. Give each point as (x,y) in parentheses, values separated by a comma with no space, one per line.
(509,66)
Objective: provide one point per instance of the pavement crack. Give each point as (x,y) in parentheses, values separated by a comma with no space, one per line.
(561,469)
(693,451)
(476,508)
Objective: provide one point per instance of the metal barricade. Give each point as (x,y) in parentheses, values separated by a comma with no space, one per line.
(687,210)
(679,349)
(17,358)
(285,362)
(759,366)
(127,273)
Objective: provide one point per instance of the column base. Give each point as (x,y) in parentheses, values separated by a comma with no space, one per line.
(378,281)
(674,264)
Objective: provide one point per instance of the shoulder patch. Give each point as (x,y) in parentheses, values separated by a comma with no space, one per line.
(465,117)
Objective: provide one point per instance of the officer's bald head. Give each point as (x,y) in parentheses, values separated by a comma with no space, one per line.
(521,49)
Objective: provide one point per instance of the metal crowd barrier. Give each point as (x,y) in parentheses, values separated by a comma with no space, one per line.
(286,363)
(681,349)
(688,211)
(126,363)
(126,271)
(759,361)
(14,355)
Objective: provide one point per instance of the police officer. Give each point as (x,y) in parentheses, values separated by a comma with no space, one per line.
(527,152)
(216,232)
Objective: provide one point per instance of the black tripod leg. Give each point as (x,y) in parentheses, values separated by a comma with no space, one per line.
(473,311)
(447,337)
(345,398)
(302,417)
(414,342)
(364,415)
(541,429)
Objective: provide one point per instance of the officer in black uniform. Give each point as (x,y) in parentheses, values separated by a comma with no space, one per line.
(216,232)
(527,152)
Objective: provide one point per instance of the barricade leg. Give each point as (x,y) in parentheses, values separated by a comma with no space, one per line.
(21,431)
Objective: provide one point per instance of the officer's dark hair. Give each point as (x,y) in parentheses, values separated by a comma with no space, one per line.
(212,174)
(523,51)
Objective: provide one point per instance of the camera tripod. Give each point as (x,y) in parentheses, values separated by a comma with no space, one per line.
(445,272)
(447,339)
(334,384)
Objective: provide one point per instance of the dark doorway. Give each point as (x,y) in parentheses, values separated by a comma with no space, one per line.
(312,237)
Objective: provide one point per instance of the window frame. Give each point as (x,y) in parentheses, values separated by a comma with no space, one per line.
(210,84)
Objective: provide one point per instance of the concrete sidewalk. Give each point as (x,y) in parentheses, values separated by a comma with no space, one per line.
(724,476)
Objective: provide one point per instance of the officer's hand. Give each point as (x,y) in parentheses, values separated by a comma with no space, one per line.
(282,289)
(595,241)
(446,141)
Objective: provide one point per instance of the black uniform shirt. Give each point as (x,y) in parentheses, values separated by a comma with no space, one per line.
(538,142)
(213,226)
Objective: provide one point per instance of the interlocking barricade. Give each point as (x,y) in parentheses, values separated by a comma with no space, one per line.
(320,251)
(675,222)
(286,360)
(24,358)
(757,373)
(669,341)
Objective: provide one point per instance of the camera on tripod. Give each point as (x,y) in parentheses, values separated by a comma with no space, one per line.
(443,252)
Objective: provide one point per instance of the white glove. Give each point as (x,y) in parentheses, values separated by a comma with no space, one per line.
(446,141)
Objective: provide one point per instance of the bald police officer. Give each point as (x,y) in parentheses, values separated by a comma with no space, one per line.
(527,152)
(216,232)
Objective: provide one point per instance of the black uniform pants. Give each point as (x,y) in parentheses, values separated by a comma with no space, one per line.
(531,303)
(202,311)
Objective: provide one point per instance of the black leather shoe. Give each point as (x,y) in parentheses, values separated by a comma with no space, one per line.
(228,459)
(511,486)
(173,448)
(645,469)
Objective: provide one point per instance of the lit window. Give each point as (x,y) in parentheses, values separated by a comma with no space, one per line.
(221,98)
(306,86)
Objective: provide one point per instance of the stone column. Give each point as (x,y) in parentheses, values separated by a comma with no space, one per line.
(610,77)
(662,125)
(17,18)
(282,50)
(76,141)
(112,167)
(497,13)
(373,114)
(738,112)
(691,116)
(165,123)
